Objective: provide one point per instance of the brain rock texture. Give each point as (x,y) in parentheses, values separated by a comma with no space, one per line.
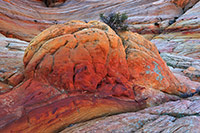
(80,58)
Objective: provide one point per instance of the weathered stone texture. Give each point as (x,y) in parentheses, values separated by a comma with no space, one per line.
(11,62)
(179,43)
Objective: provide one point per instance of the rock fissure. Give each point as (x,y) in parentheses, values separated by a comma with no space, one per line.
(13,48)
(177,115)
(76,43)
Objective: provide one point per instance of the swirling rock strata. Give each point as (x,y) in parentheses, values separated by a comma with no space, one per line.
(147,17)
(11,63)
(179,116)
(179,44)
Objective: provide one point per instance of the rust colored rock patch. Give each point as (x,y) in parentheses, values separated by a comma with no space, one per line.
(80,58)
(78,71)
(146,67)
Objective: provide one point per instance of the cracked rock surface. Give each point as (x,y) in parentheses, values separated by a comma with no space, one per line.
(11,63)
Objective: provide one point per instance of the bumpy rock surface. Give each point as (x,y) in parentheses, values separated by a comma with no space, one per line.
(147,17)
(179,116)
(77,71)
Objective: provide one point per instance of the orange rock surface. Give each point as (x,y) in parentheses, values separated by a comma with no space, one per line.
(146,67)
(78,71)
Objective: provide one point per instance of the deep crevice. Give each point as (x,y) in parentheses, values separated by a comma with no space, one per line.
(178,115)
(186,95)
(8,46)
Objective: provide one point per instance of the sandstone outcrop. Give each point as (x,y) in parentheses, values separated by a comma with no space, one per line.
(148,17)
(11,63)
(78,71)
(179,116)
(35,101)
(182,37)
(179,45)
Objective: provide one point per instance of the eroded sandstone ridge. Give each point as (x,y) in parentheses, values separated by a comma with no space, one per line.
(78,71)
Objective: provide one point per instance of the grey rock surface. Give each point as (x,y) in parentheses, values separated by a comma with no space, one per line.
(175,116)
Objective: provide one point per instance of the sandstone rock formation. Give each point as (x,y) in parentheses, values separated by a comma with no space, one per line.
(182,38)
(179,45)
(147,17)
(77,71)
(179,116)
(11,64)
(39,102)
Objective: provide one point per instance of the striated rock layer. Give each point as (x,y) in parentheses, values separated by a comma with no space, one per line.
(11,63)
(183,37)
(179,116)
(78,71)
(180,45)
(147,17)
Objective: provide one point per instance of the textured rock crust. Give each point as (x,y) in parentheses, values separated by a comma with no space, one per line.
(78,71)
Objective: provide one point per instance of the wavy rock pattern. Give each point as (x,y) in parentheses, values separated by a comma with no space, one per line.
(179,116)
(179,44)
(18,16)
(182,38)
(11,63)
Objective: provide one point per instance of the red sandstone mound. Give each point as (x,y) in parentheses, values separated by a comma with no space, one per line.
(78,71)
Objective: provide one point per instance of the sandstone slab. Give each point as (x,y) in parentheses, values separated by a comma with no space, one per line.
(183,37)
(178,116)
(11,62)
(179,44)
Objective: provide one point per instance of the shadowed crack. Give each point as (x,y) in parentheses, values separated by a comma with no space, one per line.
(180,115)
(76,43)
(12,48)
(185,95)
